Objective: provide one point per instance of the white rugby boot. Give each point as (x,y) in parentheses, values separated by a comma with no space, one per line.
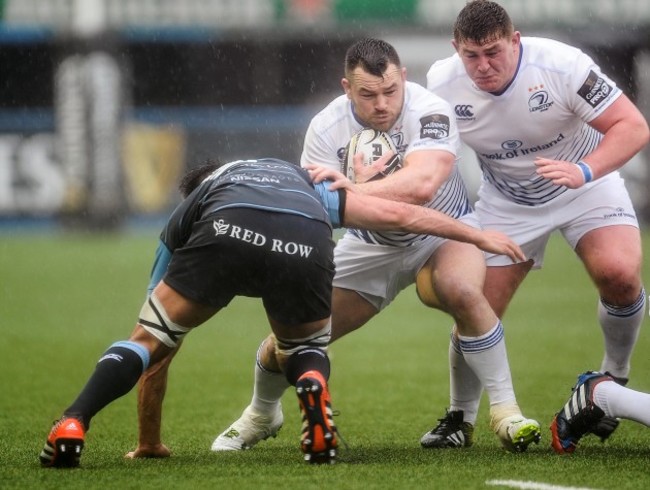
(248,430)
(515,431)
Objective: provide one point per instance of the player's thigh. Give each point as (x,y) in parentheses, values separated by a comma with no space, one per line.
(605,235)
(295,278)
(349,311)
(181,309)
(501,283)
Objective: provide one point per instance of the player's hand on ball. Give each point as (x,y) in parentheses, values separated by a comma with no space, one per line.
(363,172)
(370,155)
(147,451)
(497,243)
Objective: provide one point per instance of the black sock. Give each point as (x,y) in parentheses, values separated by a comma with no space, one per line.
(309,359)
(116,373)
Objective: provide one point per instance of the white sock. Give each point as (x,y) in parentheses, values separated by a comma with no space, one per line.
(621,402)
(487,357)
(465,388)
(620,326)
(268,390)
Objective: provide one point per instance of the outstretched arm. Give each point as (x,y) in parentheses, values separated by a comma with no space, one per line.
(374,213)
(151,392)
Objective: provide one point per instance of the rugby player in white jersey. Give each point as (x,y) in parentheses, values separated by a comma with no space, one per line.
(549,130)
(372,268)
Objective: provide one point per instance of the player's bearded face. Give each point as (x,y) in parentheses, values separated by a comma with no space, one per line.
(490,64)
(377,101)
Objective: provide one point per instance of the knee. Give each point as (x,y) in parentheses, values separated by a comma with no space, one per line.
(460,296)
(619,284)
(316,340)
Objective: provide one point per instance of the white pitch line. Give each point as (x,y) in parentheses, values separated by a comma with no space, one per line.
(531,485)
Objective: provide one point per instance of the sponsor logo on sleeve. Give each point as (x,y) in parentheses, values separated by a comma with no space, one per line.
(595,89)
(435,126)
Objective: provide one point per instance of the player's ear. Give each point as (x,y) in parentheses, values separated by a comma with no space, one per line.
(403,73)
(345,83)
(516,38)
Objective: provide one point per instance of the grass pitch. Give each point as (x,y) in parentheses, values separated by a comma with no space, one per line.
(65,298)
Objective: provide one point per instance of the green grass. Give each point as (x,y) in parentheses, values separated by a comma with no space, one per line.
(64,299)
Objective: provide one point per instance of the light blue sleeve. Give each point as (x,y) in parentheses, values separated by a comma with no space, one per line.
(333,202)
(160,263)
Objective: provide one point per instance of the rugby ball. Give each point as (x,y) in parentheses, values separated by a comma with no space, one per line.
(374,145)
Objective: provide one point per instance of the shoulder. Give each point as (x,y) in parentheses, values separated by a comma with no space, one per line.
(332,113)
(445,71)
(550,54)
(421,100)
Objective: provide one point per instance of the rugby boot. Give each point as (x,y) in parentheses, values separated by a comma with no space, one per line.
(580,415)
(319,440)
(451,432)
(248,430)
(64,444)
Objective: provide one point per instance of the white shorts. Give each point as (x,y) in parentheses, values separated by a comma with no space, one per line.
(604,202)
(379,272)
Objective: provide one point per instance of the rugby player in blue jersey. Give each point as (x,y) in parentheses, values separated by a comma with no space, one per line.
(257,228)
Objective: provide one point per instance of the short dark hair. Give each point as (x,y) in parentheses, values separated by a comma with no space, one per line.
(194,176)
(372,55)
(482,21)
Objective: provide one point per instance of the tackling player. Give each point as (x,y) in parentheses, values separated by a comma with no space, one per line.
(256,228)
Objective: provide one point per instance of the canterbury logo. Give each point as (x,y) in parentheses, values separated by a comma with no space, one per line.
(220,227)
(464,111)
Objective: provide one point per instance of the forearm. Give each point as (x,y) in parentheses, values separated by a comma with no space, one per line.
(151,392)
(417,183)
(379,214)
(373,213)
(400,187)
(425,221)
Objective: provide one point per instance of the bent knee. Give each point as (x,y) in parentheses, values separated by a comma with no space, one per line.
(618,282)
(459,296)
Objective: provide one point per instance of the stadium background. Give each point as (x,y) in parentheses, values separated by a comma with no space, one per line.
(105,102)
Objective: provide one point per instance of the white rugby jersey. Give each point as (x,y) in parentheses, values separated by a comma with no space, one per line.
(544,112)
(425,123)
